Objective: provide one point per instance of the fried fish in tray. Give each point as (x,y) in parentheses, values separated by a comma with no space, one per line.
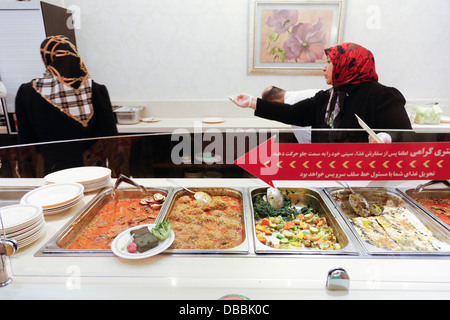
(373,233)
(398,230)
(408,240)
(391,225)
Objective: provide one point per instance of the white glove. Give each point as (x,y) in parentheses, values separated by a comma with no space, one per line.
(244,101)
(385,137)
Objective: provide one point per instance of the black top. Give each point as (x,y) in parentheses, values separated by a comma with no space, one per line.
(380,107)
(39,121)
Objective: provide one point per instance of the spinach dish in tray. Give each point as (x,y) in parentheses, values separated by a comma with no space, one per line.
(292,226)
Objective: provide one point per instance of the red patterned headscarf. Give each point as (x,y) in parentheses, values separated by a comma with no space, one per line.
(351,64)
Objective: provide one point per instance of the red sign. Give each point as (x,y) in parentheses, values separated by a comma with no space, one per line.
(350,161)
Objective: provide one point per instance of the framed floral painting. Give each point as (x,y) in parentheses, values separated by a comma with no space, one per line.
(289,37)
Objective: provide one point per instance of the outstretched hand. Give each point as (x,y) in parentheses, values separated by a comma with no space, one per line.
(385,137)
(244,101)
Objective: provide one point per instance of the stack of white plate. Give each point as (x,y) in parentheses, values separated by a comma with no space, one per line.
(92,178)
(55,198)
(23,223)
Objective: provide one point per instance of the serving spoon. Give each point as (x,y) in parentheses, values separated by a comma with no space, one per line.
(275,198)
(198,195)
(357,201)
(123,178)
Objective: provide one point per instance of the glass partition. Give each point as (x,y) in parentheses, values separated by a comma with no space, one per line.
(210,153)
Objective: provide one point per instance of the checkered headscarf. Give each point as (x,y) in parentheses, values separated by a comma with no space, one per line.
(66,83)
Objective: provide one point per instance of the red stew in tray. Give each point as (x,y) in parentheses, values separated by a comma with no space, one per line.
(116,217)
(438,206)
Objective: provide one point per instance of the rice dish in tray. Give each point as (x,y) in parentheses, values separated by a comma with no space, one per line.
(217,224)
(397,229)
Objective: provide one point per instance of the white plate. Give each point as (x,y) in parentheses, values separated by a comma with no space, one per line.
(56,210)
(150,120)
(445,119)
(213,120)
(89,187)
(19,216)
(20,233)
(28,234)
(208,158)
(121,241)
(53,195)
(81,175)
(31,239)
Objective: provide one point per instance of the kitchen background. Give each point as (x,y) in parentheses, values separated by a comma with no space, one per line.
(155,51)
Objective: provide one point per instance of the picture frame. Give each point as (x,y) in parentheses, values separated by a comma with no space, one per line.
(288,37)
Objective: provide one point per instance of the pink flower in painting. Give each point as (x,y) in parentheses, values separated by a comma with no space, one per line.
(282,20)
(306,42)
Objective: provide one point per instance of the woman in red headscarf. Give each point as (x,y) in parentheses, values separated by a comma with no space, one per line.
(350,70)
(64,104)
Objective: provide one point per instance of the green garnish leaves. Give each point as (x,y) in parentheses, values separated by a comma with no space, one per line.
(162,230)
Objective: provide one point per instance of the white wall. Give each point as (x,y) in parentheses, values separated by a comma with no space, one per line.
(410,47)
(197,49)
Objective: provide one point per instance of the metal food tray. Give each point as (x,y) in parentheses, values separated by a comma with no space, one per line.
(240,193)
(58,245)
(412,194)
(380,196)
(313,198)
(12,195)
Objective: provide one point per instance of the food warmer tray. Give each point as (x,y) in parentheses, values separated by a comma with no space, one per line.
(312,197)
(412,194)
(381,195)
(240,193)
(12,195)
(58,245)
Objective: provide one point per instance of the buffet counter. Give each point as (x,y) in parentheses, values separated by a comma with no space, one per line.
(213,276)
(168,125)
(166,116)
